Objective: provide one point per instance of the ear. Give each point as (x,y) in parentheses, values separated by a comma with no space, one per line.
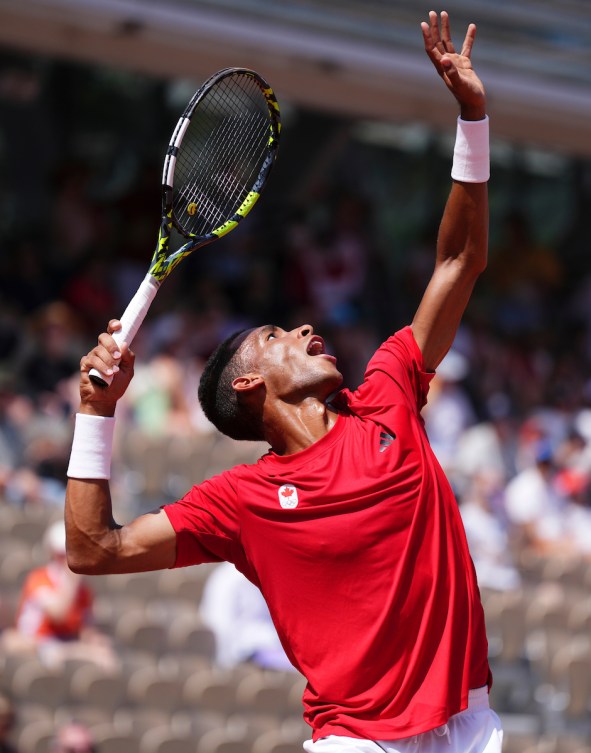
(247,382)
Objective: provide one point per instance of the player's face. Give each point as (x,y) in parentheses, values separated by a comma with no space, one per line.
(293,362)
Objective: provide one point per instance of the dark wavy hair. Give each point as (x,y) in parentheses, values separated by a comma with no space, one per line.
(221,403)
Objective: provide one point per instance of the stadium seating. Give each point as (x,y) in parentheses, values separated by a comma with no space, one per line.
(169,697)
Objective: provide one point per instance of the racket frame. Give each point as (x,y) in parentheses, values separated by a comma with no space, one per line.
(162,263)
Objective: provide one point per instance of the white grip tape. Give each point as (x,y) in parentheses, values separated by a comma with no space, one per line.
(471,162)
(91,447)
(133,316)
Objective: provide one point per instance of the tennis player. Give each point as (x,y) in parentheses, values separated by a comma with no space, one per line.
(348,525)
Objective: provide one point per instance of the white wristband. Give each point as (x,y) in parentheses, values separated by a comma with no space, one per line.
(471,163)
(91,447)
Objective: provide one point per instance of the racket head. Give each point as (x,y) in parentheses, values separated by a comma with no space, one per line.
(220,155)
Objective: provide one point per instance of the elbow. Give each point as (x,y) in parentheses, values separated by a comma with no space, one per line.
(86,557)
(78,566)
(475,265)
(82,564)
(482,263)
(481,257)
(479,268)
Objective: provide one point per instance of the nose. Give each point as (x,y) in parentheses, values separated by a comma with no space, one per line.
(304,330)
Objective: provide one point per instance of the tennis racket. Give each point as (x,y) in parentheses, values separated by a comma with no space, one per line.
(217,162)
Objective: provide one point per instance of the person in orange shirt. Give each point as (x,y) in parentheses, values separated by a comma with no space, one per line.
(55,612)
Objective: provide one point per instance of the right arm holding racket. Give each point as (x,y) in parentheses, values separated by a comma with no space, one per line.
(216,165)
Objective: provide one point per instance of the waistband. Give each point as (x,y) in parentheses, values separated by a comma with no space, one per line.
(477,699)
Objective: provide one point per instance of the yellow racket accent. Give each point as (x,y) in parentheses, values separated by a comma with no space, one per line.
(177,258)
(244,209)
(192,208)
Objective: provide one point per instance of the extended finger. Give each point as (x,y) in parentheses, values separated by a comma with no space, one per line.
(446,32)
(434,27)
(469,40)
(430,48)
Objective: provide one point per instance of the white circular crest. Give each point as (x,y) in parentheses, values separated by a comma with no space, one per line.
(288,496)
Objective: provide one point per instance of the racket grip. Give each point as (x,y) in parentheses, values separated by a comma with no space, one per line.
(133,316)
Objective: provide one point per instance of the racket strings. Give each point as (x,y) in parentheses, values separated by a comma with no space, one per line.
(212,193)
(206,198)
(218,166)
(223,183)
(250,131)
(232,188)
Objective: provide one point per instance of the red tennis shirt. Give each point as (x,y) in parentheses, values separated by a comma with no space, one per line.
(358,547)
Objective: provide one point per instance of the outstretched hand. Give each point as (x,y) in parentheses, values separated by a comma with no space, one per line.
(110,359)
(455,68)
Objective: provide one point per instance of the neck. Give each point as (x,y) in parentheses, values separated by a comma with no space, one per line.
(291,428)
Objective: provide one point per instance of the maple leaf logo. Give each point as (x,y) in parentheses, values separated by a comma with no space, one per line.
(288,496)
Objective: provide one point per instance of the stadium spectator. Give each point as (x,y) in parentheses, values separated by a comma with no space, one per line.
(534,505)
(489,536)
(449,411)
(234,609)
(54,617)
(487,447)
(33,450)
(526,275)
(54,337)
(575,486)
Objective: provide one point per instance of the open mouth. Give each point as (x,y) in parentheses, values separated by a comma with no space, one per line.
(316,347)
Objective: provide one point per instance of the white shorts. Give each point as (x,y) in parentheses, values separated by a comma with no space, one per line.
(476,730)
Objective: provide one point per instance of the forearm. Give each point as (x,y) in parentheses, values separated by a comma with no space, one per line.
(462,248)
(95,543)
(91,532)
(463,232)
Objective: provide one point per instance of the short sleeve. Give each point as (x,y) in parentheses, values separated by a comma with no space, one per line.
(395,376)
(205,522)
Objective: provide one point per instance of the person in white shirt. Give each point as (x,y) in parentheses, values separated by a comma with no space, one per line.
(237,614)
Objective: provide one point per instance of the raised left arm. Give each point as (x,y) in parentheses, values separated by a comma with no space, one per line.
(462,243)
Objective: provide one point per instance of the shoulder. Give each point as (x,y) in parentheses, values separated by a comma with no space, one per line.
(403,346)
(395,375)
(219,493)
